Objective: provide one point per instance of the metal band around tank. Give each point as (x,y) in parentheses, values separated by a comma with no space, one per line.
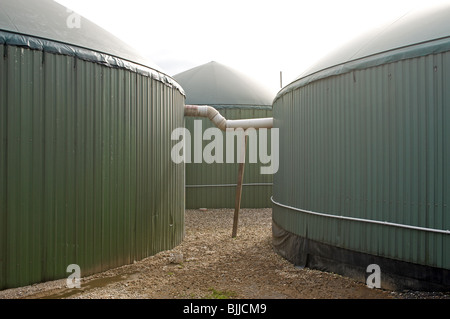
(371,221)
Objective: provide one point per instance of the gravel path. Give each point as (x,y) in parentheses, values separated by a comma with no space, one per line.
(211,264)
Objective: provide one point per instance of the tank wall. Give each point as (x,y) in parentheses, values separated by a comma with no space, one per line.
(372,144)
(86,175)
(221,174)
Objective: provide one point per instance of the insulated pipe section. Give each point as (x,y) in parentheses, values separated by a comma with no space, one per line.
(221,122)
(206,111)
(251,123)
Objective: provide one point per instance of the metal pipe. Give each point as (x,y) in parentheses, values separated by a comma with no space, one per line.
(221,122)
(251,123)
(224,124)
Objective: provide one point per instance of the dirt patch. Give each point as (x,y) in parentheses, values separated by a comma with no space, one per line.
(211,264)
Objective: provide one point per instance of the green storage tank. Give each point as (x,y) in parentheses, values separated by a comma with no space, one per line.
(235,96)
(86,176)
(364,174)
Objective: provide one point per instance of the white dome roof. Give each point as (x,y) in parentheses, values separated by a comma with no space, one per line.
(413,28)
(216,84)
(47,21)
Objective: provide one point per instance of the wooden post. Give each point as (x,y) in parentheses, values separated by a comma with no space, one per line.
(237,203)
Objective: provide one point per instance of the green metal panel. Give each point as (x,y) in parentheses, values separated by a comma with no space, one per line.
(3,172)
(212,185)
(370,143)
(85,171)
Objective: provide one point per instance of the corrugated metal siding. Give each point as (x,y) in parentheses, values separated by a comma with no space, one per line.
(3,171)
(200,174)
(85,169)
(371,144)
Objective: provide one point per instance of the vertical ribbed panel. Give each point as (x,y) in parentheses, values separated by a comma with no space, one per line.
(372,144)
(85,170)
(219,176)
(3,171)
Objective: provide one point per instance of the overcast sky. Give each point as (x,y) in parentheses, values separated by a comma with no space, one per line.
(257,37)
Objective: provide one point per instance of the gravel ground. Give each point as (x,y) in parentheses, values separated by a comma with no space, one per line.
(210,264)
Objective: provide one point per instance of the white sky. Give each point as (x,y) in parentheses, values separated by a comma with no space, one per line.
(257,37)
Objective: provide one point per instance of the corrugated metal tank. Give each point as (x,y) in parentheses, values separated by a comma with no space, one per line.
(235,96)
(85,170)
(364,152)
